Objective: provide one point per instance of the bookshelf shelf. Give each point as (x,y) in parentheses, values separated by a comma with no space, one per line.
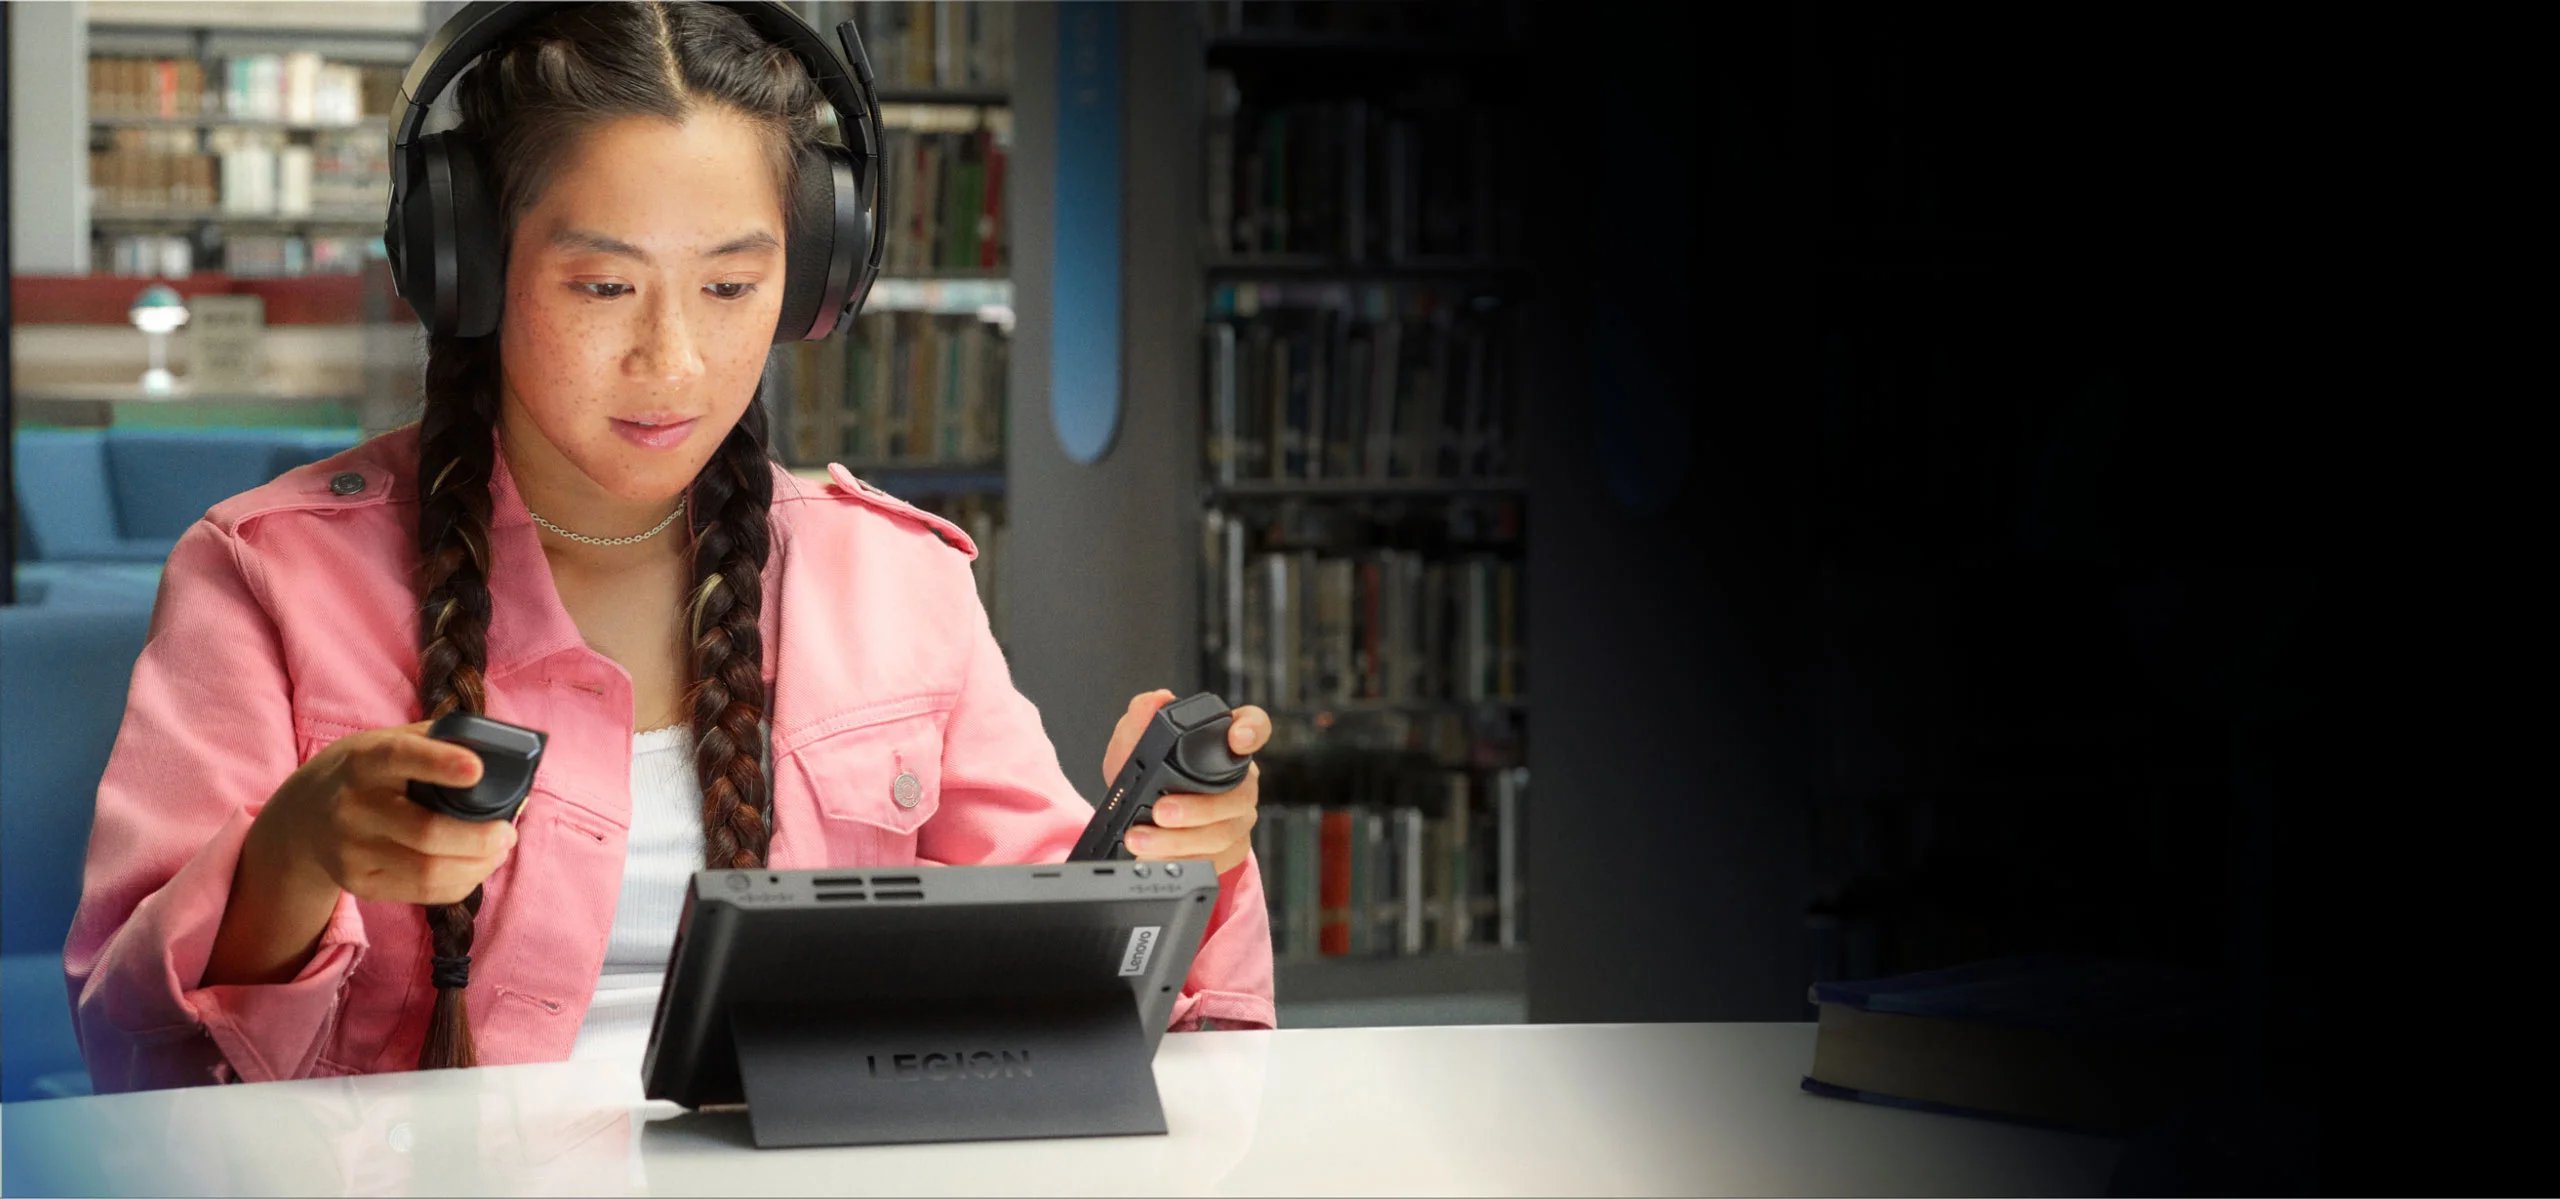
(946,97)
(163,217)
(1287,47)
(1356,488)
(374,124)
(400,43)
(1324,269)
(1467,972)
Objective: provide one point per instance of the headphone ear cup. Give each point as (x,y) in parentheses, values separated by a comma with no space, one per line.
(829,240)
(480,262)
(411,243)
(452,270)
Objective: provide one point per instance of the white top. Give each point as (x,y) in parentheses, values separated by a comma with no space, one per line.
(1527,1109)
(665,850)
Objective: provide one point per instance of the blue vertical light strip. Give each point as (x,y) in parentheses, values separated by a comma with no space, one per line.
(1084,287)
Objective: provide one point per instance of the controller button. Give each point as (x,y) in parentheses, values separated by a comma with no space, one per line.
(1140,870)
(1173,868)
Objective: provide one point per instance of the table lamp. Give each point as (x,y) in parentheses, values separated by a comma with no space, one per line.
(158,311)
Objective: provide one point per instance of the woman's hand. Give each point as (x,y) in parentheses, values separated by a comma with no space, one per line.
(346,814)
(1217,827)
(343,822)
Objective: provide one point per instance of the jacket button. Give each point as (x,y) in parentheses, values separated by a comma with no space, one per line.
(347,484)
(906,790)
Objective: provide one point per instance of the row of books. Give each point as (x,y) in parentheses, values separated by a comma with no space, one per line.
(1300,629)
(245,172)
(954,44)
(144,255)
(949,203)
(1355,180)
(1417,862)
(298,86)
(174,256)
(1480,21)
(1383,382)
(912,387)
(267,255)
(1439,525)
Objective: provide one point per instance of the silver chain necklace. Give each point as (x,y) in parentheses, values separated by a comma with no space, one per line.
(634,539)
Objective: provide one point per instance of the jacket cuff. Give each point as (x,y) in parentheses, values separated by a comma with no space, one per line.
(1214,1011)
(271,1031)
(148,978)
(1230,985)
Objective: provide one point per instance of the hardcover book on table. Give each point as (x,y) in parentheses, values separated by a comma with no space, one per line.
(2083,1043)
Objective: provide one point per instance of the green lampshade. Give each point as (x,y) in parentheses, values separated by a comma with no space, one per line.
(159,295)
(158,309)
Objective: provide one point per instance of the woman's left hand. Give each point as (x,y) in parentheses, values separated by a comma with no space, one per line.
(1217,827)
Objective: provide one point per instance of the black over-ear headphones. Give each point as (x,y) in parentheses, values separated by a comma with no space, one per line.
(442,234)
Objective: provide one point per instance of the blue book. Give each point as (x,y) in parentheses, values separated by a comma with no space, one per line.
(2073,1042)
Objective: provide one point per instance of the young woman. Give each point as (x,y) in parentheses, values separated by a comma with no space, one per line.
(583,534)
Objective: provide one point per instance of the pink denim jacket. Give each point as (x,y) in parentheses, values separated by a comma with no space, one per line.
(285,621)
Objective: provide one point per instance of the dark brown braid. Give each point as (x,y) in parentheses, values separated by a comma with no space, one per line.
(454,463)
(726,700)
(554,80)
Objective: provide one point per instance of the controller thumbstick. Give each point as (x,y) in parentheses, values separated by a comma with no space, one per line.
(1202,753)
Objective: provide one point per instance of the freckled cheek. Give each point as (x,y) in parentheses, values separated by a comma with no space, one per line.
(738,367)
(562,360)
(574,340)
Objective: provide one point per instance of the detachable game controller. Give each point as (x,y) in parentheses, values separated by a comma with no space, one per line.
(1183,750)
(508,754)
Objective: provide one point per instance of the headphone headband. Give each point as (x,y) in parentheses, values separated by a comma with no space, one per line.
(480,26)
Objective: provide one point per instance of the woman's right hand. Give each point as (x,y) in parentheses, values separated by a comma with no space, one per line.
(346,814)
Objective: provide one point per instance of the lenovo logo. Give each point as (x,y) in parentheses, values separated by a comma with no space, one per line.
(950,1067)
(1142,945)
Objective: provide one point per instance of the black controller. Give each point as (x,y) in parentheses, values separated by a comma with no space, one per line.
(1183,750)
(508,754)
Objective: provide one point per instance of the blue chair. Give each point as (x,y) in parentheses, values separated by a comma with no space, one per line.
(165,479)
(89,584)
(124,495)
(302,447)
(64,672)
(69,504)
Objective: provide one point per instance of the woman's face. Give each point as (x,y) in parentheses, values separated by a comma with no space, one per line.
(642,289)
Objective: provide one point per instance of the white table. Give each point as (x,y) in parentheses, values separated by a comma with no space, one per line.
(1493,1109)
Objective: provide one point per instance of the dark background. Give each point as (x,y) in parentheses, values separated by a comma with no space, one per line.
(1939,565)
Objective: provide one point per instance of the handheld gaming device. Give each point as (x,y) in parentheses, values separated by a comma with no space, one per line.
(508,754)
(1183,749)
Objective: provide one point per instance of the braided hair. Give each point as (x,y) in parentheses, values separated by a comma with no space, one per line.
(553,81)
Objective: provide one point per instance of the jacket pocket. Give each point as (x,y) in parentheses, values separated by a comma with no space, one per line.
(882,773)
